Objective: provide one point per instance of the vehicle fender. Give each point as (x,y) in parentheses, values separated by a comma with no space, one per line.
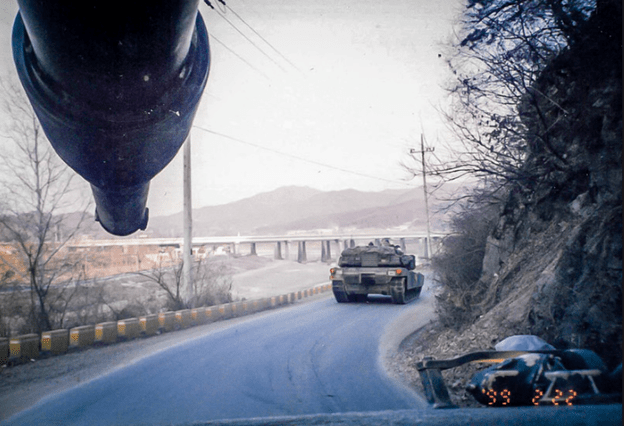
(412,280)
(420,279)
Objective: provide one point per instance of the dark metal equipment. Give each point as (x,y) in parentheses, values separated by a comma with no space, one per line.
(115,87)
(549,377)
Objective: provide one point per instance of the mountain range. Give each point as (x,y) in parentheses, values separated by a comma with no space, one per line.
(294,209)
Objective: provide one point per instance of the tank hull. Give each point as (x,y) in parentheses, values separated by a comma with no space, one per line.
(402,288)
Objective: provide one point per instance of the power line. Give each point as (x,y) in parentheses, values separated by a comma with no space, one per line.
(247,38)
(262,38)
(239,56)
(254,44)
(296,157)
(224,9)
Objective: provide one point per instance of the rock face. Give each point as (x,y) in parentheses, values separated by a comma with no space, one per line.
(553,265)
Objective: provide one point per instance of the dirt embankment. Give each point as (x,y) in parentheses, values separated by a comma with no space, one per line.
(558,285)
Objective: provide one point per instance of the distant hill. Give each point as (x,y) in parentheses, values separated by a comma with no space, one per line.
(291,209)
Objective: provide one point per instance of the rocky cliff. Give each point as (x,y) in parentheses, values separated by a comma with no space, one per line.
(553,265)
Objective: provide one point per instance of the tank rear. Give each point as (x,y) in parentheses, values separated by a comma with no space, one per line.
(375,269)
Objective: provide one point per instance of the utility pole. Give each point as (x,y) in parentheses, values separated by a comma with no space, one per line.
(187,258)
(424,176)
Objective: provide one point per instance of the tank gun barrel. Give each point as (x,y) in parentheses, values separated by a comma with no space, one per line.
(115,87)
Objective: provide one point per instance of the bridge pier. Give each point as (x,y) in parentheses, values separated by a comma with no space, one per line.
(286,251)
(338,251)
(421,250)
(252,250)
(301,255)
(402,245)
(326,251)
(278,250)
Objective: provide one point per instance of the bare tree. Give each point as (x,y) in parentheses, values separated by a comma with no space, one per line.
(212,283)
(168,277)
(38,192)
(9,302)
(504,47)
(506,120)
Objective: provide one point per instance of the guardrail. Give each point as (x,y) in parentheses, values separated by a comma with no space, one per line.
(57,342)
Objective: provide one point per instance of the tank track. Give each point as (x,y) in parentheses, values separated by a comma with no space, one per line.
(401,296)
(340,295)
(344,297)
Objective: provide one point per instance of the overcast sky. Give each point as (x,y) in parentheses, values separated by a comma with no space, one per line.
(365,83)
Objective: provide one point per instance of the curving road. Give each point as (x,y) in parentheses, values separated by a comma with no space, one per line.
(313,357)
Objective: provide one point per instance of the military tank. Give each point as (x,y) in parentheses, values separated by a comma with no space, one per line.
(376,269)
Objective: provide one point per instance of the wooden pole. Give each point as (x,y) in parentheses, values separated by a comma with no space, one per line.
(187,268)
(424,173)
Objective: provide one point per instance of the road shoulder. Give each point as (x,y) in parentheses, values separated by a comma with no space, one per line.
(392,356)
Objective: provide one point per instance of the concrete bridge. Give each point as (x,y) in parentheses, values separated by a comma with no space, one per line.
(330,245)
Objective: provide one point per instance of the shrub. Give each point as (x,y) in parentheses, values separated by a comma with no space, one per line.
(459,264)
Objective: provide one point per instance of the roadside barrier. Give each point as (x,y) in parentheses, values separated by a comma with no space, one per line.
(259,305)
(106,332)
(166,321)
(224,311)
(24,346)
(81,336)
(128,328)
(149,324)
(212,314)
(4,350)
(198,316)
(236,308)
(57,342)
(183,319)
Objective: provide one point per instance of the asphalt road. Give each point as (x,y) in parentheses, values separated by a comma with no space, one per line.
(316,357)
